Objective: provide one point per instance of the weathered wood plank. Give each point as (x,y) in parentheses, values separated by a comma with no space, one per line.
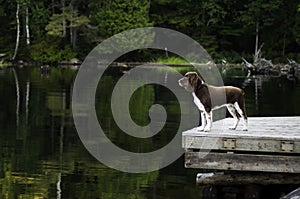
(271,134)
(243,162)
(247,178)
(259,127)
(240,144)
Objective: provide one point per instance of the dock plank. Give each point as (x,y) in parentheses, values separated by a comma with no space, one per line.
(271,134)
(271,144)
(243,162)
(243,178)
(261,127)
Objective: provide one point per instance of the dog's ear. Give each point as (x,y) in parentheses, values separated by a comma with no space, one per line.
(194,80)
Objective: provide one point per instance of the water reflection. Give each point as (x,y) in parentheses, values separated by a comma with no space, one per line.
(41,155)
(257,81)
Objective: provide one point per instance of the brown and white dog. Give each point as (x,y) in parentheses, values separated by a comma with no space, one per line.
(205,94)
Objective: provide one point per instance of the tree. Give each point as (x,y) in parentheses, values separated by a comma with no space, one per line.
(282,29)
(296,28)
(199,19)
(119,15)
(229,28)
(23,11)
(39,18)
(27,26)
(57,25)
(18,32)
(259,14)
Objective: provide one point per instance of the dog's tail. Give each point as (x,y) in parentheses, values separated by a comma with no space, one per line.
(243,92)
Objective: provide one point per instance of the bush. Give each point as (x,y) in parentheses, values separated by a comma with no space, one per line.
(49,51)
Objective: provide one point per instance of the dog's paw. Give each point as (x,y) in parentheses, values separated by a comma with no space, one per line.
(245,129)
(200,128)
(206,129)
(232,128)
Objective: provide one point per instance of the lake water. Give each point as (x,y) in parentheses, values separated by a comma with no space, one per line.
(41,155)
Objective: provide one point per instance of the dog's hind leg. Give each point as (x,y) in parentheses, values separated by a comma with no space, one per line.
(242,113)
(233,111)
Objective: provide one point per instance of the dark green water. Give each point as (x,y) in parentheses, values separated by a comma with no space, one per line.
(41,155)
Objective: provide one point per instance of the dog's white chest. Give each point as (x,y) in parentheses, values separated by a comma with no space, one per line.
(198,102)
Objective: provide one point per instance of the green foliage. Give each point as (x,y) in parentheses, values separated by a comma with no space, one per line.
(220,26)
(214,12)
(121,15)
(55,27)
(171,60)
(296,28)
(50,51)
(39,19)
(3,64)
(69,16)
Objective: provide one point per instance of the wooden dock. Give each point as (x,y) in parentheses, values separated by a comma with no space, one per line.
(272,144)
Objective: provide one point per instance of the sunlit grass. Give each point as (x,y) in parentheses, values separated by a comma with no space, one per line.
(3,64)
(171,60)
(173,69)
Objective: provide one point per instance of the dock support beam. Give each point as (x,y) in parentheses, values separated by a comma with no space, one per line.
(241,178)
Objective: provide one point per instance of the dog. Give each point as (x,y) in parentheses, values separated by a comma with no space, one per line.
(205,94)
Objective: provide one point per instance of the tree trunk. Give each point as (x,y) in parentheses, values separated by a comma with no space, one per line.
(71,33)
(74,39)
(64,19)
(27,27)
(283,45)
(18,33)
(256,42)
(58,186)
(148,10)
(27,101)
(52,7)
(18,97)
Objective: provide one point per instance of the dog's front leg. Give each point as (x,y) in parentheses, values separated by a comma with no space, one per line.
(203,122)
(208,121)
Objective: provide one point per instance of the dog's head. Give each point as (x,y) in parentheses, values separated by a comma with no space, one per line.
(190,81)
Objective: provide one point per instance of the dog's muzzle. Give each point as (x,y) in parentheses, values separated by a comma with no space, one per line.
(181,82)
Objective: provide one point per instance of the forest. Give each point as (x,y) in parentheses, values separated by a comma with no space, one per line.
(51,31)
